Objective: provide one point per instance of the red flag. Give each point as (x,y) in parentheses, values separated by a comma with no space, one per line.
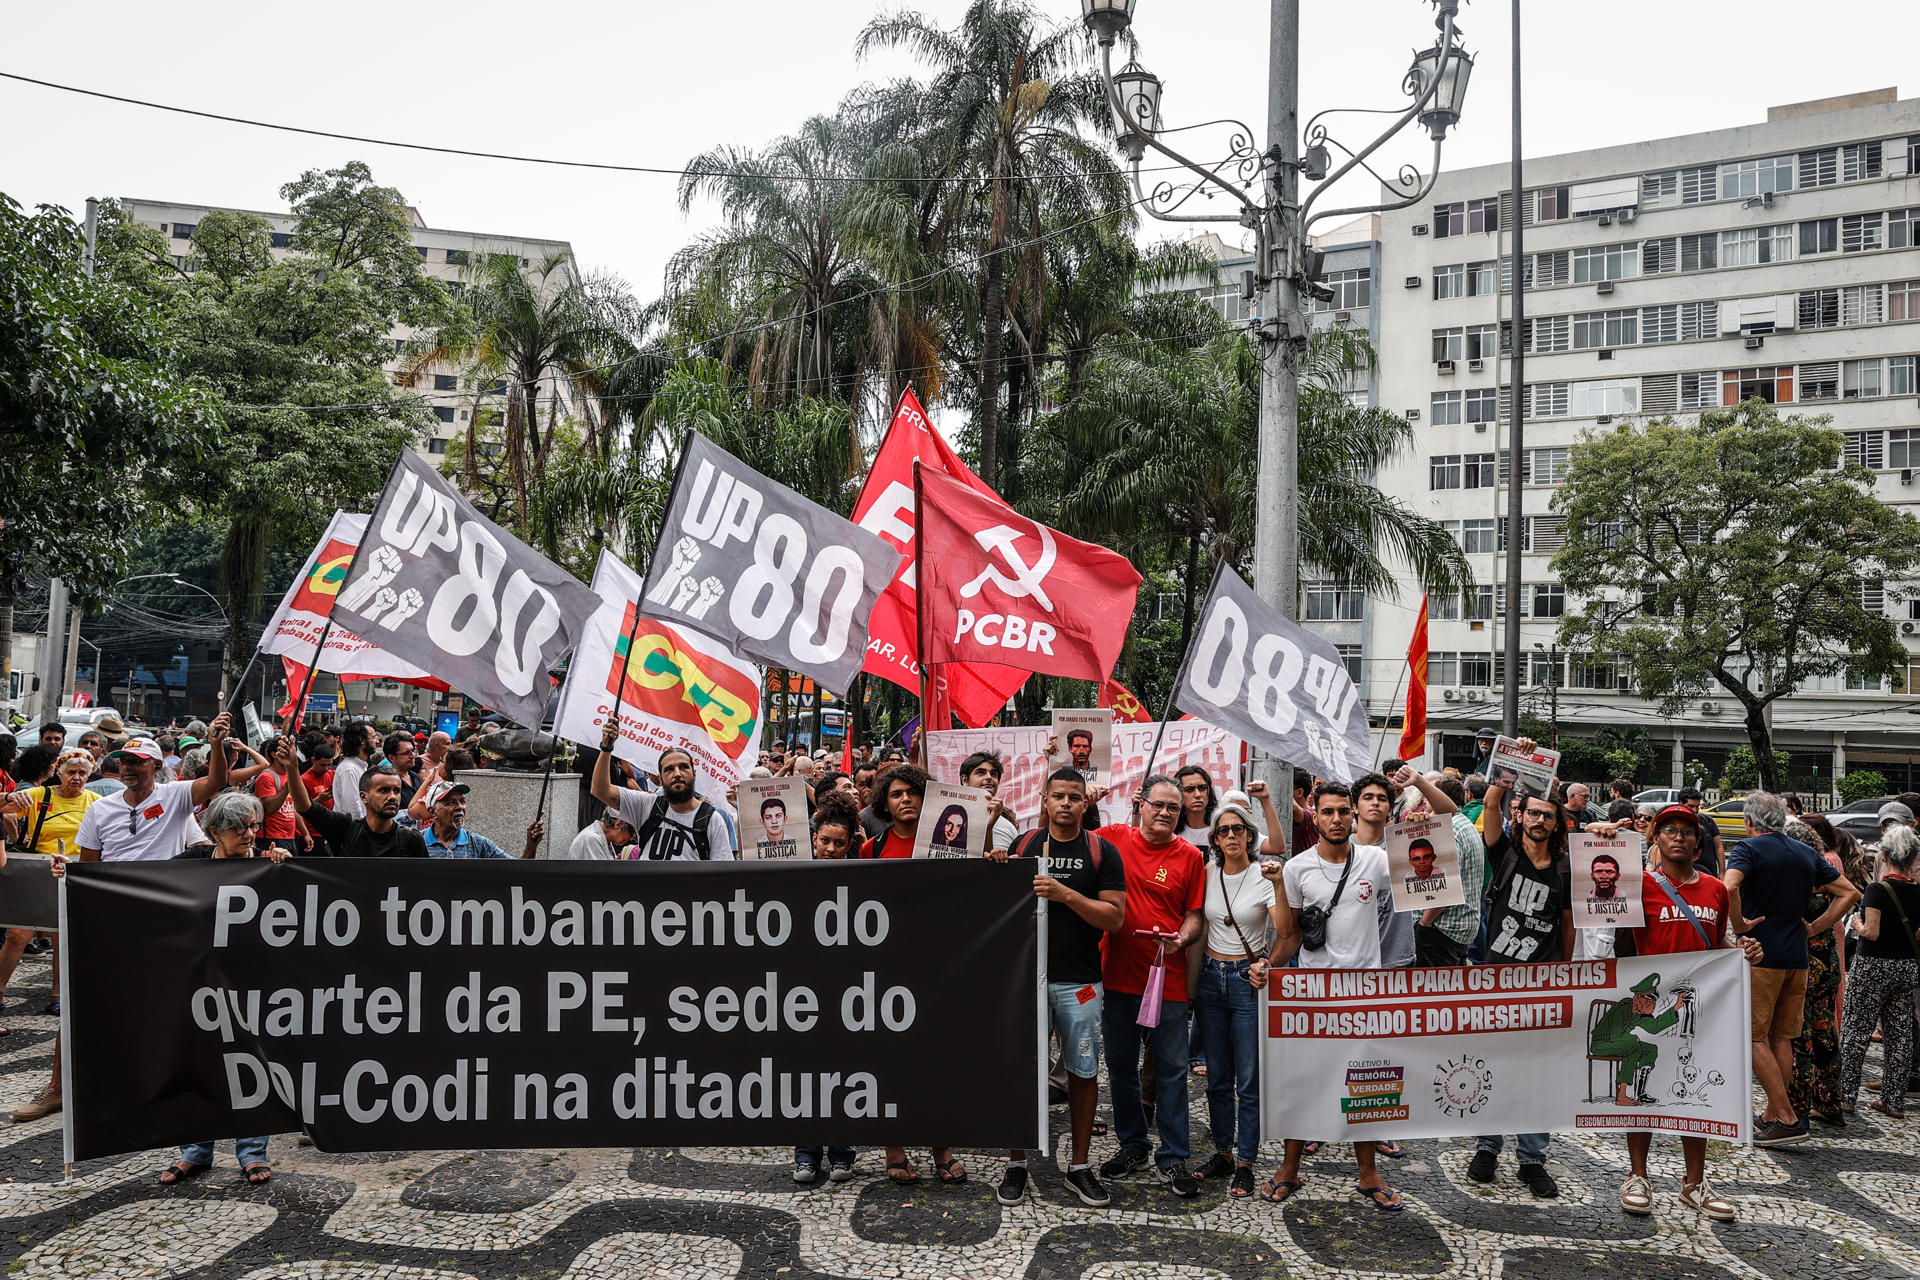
(1004,587)
(975,690)
(1126,706)
(1413,727)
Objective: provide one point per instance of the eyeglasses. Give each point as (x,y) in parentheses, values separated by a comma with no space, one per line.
(1162,806)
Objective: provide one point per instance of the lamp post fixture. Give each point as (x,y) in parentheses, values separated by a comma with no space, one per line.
(1283,274)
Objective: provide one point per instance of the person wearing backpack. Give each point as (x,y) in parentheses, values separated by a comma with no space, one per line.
(671,824)
(1884,974)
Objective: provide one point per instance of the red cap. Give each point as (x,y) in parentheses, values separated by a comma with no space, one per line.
(1675,811)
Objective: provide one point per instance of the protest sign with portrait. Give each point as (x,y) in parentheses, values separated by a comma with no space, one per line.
(1084,740)
(773,818)
(953,822)
(1526,773)
(1424,863)
(1606,880)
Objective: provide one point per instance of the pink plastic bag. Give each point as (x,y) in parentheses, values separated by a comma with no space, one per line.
(1156,988)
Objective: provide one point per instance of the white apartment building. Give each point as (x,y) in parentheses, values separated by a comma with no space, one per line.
(1776,259)
(444,255)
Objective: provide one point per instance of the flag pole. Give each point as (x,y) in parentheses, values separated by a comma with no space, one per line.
(633,627)
(921,599)
(1406,668)
(553,746)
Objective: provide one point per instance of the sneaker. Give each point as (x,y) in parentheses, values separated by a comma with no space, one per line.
(1539,1181)
(1123,1163)
(1636,1197)
(1013,1187)
(1180,1181)
(840,1171)
(44,1103)
(1709,1202)
(1771,1133)
(1083,1184)
(1221,1166)
(805,1171)
(1483,1165)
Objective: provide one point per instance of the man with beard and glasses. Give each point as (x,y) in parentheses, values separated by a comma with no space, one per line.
(670,825)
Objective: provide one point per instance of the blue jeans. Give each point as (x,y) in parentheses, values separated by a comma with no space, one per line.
(1532,1146)
(249,1151)
(812,1155)
(1169,1042)
(1230,1019)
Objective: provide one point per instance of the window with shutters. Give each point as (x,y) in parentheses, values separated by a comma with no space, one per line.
(1820,381)
(1903,449)
(1483,341)
(1866,449)
(1547,466)
(1862,304)
(1448,344)
(1503,456)
(1700,184)
(1500,606)
(1450,281)
(1605,329)
(1660,393)
(1903,300)
(1658,190)
(1773,385)
(1819,309)
(1446,409)
(1753,246)
(1900,225)
(1743,178)
(1547,400)
(1861,232)
(1820,168)
(1506,339)
(1604,396)
(1657,257)
(1524,544)
(1443,471)
(1863,379)
(1699,390)
(1506,404)
(1659,324)
(1859,161)
(1476,536)
(1900,375)
(1480,279)
(1605,262)
(1549,600)
(1819,235)
(1479,405)
(1551,205)
(1697,252)
(1477,471)
(1449,219)
(1545,270)
(1699,320)
(1548,533)
(1869,595)
(1548,334)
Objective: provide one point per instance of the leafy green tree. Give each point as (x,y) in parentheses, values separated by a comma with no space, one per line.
(94,403)
(1743,768)
(1729,554)
(1862,784)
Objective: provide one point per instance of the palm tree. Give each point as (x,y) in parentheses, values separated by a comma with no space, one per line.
(1002,122)
(531,326)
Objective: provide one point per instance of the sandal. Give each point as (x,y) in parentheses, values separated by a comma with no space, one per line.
(1099,1128)
(1278,1189)
(258,1173)
(181,1171)
(897,1167)
(1383,1198)
(947,1167)
(1890,1112)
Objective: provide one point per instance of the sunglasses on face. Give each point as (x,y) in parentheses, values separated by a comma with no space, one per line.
(1229,829)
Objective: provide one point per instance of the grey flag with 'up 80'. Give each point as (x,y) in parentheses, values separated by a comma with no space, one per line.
(437,584)
(1274,683)
(757,566)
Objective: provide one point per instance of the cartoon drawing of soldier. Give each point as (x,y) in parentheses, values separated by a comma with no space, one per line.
(1619,1034)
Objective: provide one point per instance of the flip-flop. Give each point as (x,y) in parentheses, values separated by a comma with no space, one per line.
(1278,1189)
(1382,1198)
(946,1169)
(1312,1148)
(1099,1128)
(180,1171)
(902,1166)
(258,1173)
(1390,1149)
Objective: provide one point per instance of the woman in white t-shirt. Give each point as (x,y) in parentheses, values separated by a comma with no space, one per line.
(1240,920)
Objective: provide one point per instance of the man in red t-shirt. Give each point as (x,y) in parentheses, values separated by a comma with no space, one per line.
(1166,889)
(897,795)
(1670,931)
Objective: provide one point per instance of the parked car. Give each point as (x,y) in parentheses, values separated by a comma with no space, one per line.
(1864,827)
(1662,796)
(1729,816)
(1860,806)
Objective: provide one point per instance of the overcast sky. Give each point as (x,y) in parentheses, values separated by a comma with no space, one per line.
(656,83)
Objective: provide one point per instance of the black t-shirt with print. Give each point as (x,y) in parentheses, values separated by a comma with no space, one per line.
(1073,945)
(1524,905)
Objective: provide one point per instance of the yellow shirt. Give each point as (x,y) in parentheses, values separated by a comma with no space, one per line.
(62,821)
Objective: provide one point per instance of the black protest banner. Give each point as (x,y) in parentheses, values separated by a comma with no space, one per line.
(1273,682)
(29,895)
(443,1004)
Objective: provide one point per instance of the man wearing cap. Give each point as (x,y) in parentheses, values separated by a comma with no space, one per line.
(602,841)
(1894,811)
(448,836)
(1483,751)
(1615,1036)
(112,730)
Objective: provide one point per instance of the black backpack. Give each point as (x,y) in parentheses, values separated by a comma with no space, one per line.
(671,836)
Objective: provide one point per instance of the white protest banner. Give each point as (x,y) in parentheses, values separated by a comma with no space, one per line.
(767,572)
(1652,1043)
(953,822)
(1022,749)
(1526,773)
(681,690)
(296,626)
(1424,863)
(1084,739)
(773,819)
(1606,880)
(1274,683)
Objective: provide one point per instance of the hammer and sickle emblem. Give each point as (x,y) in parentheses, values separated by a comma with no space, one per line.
(1026,580)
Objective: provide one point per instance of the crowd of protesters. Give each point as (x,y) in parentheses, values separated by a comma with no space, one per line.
(1199,884)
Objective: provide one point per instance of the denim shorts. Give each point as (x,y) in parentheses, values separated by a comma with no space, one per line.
(1078,1026)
